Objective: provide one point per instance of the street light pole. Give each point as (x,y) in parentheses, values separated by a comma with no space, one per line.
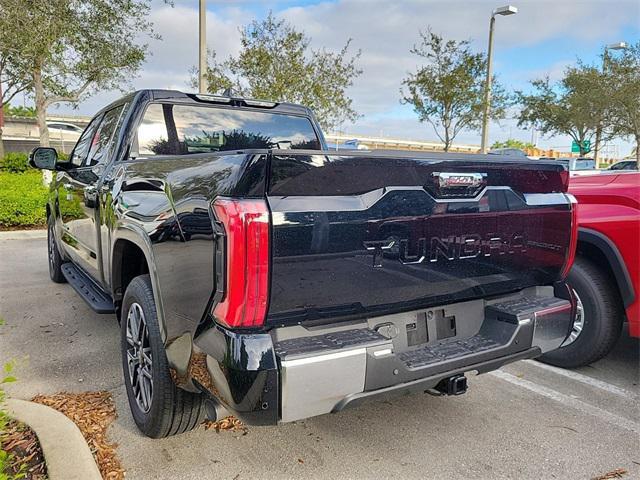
(506,10)
(613,46)
(202,50)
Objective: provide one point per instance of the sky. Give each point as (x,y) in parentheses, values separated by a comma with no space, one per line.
(543,39)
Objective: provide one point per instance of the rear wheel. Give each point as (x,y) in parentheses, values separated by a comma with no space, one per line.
(598,321)
(159,408)
(54,257)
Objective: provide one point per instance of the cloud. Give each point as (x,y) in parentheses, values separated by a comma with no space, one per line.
(170,60)
(541,39)
(385,32)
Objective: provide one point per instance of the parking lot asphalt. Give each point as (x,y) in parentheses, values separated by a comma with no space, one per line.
(527,420)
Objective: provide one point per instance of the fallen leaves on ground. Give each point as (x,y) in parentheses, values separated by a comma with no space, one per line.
(617,473)
(229,424)
(92,412)
(22,443)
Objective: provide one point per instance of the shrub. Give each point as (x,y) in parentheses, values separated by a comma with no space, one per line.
(22,199)
(15,162)
(18,162)
(6,458)
(19,111)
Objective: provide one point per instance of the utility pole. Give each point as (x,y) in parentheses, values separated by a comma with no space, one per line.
(202,50)
(506,10)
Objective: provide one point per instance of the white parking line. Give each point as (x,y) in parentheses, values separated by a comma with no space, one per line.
(594,382)
(569,401)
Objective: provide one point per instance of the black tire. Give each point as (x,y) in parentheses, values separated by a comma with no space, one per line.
(171,410)
(603,317)
(53,254)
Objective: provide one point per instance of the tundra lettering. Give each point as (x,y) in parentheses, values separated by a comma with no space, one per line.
(453,247)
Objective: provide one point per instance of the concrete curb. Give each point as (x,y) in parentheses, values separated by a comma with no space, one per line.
(22,234)
(65,451)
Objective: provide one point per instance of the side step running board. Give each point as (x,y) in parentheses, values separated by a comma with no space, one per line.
(96,298)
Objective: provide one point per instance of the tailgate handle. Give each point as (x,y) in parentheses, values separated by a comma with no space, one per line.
(457,184)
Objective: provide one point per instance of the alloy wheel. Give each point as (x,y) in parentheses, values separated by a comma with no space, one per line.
(578,323)
(139,359)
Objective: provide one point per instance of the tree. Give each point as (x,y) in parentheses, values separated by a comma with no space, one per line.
(448,91)
(572,106)
(14,77)
(623,75)
(513,143)
(72,48)
(276,63)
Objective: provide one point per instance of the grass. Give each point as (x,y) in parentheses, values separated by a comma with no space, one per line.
(22,200)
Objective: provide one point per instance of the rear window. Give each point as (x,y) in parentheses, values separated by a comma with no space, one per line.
(585,165)
(169,129)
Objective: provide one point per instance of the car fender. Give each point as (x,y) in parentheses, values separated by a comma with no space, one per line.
(615,260)
(138,236)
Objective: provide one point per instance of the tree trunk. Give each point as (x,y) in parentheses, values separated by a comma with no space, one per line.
(447,141)
(583,152)
(41,106)
(596,145)
(1,144)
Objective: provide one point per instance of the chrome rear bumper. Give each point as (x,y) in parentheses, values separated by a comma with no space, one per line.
(324,372)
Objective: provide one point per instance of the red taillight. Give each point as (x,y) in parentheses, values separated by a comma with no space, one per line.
(573,241)
(246,276)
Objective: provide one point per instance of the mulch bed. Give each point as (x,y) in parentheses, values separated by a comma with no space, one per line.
(92,412)
(617,473)
(4,228)
(22,443)
(229,424)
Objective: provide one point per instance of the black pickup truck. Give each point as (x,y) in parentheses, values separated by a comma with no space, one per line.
(255,272)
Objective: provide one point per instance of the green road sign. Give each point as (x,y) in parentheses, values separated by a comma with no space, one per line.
(575,148)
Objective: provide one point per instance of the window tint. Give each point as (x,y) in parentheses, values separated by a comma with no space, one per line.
(103,139)
(585,165)
(623,166)
(183,129)
(84,142)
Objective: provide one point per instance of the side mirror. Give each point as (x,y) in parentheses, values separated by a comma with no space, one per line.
(44,158)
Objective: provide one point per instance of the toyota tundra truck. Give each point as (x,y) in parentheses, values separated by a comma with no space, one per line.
(254,272)
(605,277)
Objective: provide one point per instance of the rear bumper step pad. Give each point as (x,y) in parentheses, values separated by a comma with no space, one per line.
(323,373)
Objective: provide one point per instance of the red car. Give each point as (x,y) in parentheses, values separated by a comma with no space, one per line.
(606,274)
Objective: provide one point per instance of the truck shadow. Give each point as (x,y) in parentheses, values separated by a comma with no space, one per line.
(621,365)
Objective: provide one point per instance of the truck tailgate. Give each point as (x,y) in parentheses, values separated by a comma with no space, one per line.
(366,234)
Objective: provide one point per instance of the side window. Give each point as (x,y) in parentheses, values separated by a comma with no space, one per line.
(104,137)
(81,149)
